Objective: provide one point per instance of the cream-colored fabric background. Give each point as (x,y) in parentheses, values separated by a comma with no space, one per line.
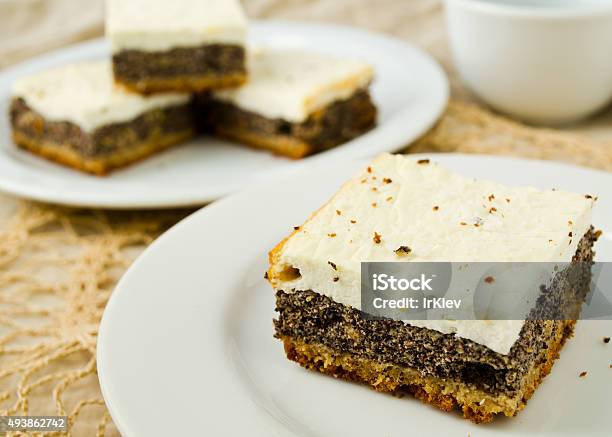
(58,266)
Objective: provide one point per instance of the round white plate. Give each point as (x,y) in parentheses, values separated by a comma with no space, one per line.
(185,345)
(410,90)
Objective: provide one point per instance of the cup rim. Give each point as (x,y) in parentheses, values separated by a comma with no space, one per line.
(533,12)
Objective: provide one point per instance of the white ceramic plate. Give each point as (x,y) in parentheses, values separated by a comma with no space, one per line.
(410,90)
(186,348)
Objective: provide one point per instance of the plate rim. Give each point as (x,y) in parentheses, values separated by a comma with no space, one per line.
(102,355)
(390,134)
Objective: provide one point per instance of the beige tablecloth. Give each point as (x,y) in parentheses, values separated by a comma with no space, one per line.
(58,266)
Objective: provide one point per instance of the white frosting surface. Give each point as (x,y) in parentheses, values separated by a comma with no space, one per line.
(293,84)
(86,95)
(525,225)
(159,25)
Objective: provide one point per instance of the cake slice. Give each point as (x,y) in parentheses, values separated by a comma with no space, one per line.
(294,104)
(399,209)
(178,45)
(75,115)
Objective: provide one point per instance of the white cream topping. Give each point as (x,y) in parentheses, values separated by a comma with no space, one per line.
(159,25)
(86,95)
(434,212)
(291,85)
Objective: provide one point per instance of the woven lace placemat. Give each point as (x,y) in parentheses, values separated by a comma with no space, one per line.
(58,266)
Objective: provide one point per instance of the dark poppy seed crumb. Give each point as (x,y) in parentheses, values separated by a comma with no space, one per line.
(436,208)
(266,275)
(403,250)
(570,235)
(491,197)
(489,279)
(507,200)
(606,340)
(423,161)
(353,221)
(377,238)
(369,169)
(336,279)
(387,180)
(338,212)
(588,196)
(492,210)
(583,374)
(333,266)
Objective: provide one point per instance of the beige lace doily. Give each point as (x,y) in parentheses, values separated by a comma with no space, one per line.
(57,270)
(58,266)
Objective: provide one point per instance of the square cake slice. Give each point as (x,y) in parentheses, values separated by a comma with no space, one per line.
(483,367)
(76,116)
(294,104)
(178,45)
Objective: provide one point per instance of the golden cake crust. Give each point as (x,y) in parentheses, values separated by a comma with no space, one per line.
(64,154)
(280,145)
(475,404)
(184,84)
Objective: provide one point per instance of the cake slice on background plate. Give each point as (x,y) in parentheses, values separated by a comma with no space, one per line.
(178,45)
(76,116)
(399,209)
(295,103)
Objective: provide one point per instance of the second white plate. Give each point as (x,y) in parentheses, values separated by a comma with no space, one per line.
(410,90)
(186,348)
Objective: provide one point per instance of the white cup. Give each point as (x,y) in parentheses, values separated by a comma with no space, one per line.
(543,61)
